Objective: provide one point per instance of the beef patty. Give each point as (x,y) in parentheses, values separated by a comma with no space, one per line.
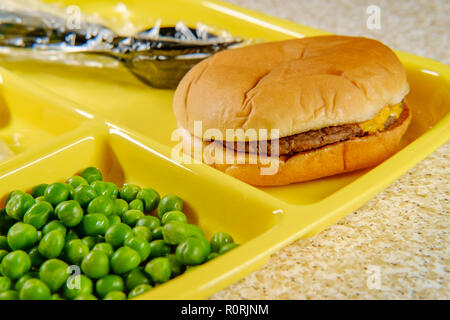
(306,141)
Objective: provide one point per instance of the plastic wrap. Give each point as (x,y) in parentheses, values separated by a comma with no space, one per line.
(159,55)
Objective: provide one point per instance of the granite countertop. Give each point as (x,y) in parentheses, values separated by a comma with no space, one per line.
(397,246)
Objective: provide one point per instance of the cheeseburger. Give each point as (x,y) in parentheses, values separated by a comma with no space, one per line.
(337,104)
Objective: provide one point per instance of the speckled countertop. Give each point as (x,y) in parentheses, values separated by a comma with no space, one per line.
(397,246)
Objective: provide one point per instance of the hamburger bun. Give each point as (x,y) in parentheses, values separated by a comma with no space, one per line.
(297,86)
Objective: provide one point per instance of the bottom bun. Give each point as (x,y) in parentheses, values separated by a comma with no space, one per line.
(341,157)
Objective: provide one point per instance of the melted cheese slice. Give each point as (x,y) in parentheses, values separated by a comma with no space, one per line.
(377,123)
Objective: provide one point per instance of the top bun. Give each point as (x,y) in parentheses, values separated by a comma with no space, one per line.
(294,86)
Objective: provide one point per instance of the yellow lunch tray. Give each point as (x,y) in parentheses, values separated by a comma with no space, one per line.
(60,119)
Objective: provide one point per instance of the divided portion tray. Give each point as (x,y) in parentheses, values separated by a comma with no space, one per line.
(61,119)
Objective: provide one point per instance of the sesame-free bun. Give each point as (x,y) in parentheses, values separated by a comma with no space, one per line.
(340,157)
(294,86)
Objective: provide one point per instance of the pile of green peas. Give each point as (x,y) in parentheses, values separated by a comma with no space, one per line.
(86,239)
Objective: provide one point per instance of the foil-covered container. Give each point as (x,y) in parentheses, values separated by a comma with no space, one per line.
(159,56)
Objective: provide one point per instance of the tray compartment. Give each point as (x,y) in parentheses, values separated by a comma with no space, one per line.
(31,117)
(213,200)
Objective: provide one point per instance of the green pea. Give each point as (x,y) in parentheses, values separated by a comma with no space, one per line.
(136,204)
(70,213)
(124,260)
(212,256)
(22,236)
(220,239)
(52,244)
(136,277)
(113,190)
(105,189)
(159,248)
(36,258)
(39,190)
(4,243)
(120,207)
(15,264)
(20,282)
(76,181)
(227,247)
(56,193)
(157,233)
(94,224)
(114,220)
(175,232)
(108,284)
(77,286)
(193,251)
(84,195)
(100,187)
(142,232)
(101,204)
(117,234)
(75,251)
(18,205)
(149,222)
(5,221)
(159,269)
(12,194)
(140,245)
(86,297)
(150,198)
(115,295)
(95,264)
(91,241)
(176,268)
(129,192)
(104,247)
(35,289)
(9,295)
(169,203)
(38,214)
(92,174)
(5,284)
(173,216)
(131,217)
(140,289)
(54,273)
(54,225)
